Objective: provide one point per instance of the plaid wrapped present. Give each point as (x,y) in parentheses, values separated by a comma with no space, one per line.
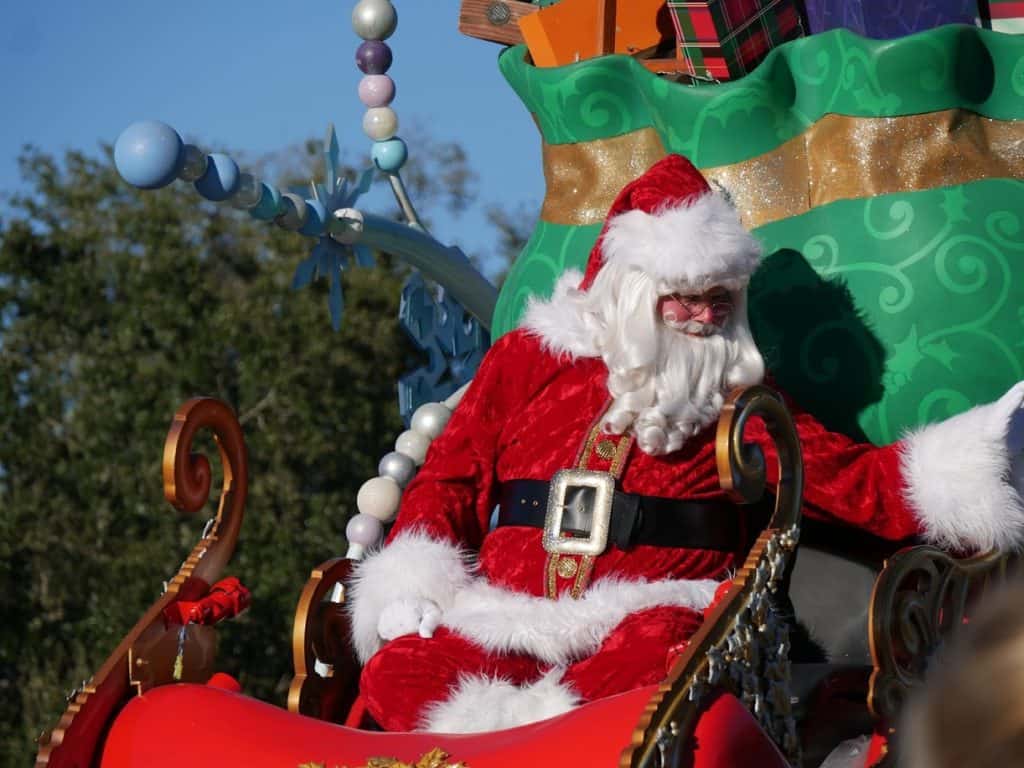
(726,39)
(1004,15)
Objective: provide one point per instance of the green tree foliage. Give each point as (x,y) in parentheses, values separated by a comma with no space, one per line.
(115,307)
(512,230)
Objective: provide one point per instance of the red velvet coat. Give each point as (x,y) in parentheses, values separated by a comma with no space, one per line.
(525,416)
(504,653)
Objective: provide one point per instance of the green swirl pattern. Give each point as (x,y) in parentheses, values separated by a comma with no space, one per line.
(909,310)
(551,249)
(877,315)
(836,72)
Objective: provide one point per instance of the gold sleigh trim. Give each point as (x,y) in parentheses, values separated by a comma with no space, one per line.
(836,158)
(435,758)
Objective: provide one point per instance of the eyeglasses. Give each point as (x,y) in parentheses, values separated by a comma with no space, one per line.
(720,307)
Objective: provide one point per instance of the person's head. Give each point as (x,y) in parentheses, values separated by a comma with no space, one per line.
(970,713)
(664,303)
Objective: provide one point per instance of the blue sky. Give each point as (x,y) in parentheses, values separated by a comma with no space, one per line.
(257,77)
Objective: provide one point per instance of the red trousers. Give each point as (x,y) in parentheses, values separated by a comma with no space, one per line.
(409,673)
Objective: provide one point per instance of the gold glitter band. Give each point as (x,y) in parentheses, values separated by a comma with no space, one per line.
(837,158)
(583,179)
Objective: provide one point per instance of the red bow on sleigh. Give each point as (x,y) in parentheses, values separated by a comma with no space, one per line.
(225,600)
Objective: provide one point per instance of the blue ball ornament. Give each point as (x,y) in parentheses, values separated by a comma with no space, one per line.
(269,205)
(316,219)
(220,180)
(149,154)
(389,155)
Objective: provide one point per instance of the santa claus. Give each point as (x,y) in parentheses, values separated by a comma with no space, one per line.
(621,374)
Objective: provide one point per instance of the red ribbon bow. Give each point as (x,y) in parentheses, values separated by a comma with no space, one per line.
(225,600)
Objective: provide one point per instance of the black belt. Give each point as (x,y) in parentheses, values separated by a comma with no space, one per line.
(652,520)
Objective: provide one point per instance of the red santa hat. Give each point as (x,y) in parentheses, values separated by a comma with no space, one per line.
(673,226)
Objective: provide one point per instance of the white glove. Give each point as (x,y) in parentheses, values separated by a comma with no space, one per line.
(403,617)
(1011,415)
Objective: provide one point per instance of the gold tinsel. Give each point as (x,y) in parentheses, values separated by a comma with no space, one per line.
(435,758)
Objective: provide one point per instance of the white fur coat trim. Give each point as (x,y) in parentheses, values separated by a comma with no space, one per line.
(563,630)
(480,704)
(690,247)
(962,481)
(413,566)
(558,322)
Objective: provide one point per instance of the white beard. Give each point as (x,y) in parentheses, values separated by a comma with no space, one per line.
(666,385)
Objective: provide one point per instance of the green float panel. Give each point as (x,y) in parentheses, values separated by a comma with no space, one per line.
(877,314)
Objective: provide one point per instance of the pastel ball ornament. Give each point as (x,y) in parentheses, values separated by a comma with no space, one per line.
(269,205)
(364,530)
(374,19)
(414,445)
(389,155)
(376,90)
(149,154)
(374,57)
(398,467)
(380,123)
(220,180)
(379,497)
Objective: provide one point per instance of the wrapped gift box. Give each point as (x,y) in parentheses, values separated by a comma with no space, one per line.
(569,30)
(1004,15)
(884,19)
(726,39)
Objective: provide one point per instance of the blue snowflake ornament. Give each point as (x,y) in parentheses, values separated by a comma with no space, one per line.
(329,257)
(452,340)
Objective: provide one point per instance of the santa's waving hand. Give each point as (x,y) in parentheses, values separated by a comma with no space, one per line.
(603,403)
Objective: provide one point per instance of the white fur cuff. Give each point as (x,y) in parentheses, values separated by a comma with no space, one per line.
(563,630)
(414,566)
(483,704)
(959,478)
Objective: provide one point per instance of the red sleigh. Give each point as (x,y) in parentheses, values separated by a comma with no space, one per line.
(732,698)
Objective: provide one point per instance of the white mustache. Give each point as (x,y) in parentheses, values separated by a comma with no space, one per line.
(693,327)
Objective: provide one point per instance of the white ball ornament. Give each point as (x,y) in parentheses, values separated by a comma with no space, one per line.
(374,19)
(414,445)
(430,419)
(379,497)
(349,226)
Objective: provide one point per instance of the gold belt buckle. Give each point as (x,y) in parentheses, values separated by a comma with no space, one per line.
(596,490)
